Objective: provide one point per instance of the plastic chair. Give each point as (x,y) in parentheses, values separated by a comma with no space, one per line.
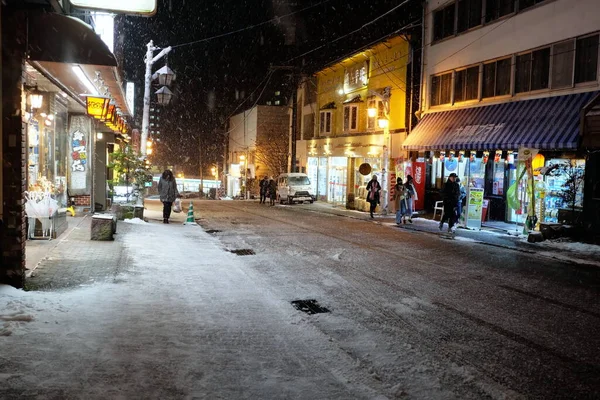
(439,205)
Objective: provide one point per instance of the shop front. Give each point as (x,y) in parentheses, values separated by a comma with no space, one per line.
(340,168)
(481,145)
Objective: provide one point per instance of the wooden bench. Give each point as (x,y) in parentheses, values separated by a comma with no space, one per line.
(104,226)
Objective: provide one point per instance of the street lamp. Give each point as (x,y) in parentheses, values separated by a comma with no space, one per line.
(165,75)
(163,96)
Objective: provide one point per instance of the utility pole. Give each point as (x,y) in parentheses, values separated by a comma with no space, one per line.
(150,60)
(293,127)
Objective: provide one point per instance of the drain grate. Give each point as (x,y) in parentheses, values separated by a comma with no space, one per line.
(213,231)
(309,306)
(243,252)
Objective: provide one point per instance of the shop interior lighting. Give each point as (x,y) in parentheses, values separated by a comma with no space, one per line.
(85,80)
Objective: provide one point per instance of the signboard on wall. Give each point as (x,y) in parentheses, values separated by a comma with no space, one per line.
(141,7)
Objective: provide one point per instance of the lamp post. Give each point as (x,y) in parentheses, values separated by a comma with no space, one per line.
(165,77)
(384,123)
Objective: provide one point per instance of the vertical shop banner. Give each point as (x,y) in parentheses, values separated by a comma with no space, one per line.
(474,207)
(419,180)
(79,170)
(392,188)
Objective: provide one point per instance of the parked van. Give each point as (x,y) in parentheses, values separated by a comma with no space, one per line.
(294,187)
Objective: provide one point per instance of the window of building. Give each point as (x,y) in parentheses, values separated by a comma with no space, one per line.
(523,4)
(562,64)
(443,22)
(495,9)
(586,59)
(350,118)
(469,14)
(379,106)
(441,89)
(532,71)
(466,84)
(325,122)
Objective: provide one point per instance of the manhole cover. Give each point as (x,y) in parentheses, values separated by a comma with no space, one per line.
(213,231)
(243,252)
(309,306)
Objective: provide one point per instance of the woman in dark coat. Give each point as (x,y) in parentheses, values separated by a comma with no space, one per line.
(167,189)
(373,189)
(272,191)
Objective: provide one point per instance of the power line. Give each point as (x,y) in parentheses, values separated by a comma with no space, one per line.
(350,33)
(275,19)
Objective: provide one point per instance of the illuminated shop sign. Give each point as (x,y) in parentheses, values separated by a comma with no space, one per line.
(144,7)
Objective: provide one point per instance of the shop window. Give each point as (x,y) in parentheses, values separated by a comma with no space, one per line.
(325,122)
(586,59)
(532,71)
(496,78)
(441,89)
(469,14)
(562,64)
(443,22)
(495,9)
(350,118)
(466,84)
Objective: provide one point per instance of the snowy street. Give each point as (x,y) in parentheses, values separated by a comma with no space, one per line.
(411,315)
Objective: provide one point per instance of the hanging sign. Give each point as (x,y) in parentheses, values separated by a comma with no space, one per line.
(143,7)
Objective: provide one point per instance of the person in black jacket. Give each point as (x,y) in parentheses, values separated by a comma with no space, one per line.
(450,196)
(264,189)
(373,189)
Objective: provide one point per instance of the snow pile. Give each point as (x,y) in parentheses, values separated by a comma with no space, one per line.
(14,310)
(135,221)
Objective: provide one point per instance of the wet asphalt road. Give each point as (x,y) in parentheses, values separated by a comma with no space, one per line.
(484,322)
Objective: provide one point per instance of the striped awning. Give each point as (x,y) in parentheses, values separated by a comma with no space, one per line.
(546,123)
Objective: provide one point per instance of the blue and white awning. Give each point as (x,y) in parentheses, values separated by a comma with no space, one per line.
(551,123)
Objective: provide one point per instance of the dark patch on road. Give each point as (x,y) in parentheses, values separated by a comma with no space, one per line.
(212,231)
(309,306)
(243,252)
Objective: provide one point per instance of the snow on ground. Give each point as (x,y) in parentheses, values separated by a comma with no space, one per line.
(135,221)
(186,320)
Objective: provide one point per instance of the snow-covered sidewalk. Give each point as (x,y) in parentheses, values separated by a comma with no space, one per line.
(187,320)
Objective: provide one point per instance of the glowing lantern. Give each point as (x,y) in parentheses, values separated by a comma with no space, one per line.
(537,163)
(97,106)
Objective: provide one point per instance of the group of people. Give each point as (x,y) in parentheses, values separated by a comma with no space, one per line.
(404,196)
(268,187)
(453,195)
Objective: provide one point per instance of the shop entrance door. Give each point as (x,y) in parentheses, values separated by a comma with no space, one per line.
(338,179)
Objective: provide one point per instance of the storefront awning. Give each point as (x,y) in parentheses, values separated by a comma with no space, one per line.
(547,123)
(63,39)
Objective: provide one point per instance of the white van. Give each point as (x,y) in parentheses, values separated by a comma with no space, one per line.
(294,187)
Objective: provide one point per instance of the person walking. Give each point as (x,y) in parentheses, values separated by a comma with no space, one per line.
(272,191)
(410,198)
(461,199)
(450,194)
(399,200)
(264,189)
(373,189)
(167,189)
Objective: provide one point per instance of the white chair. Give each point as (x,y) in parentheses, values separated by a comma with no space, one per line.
(439,205)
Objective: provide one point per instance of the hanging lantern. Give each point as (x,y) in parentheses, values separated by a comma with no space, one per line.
(110,112)
(97,106)
(461,156)
(451,157)
(164,95)
(36,99)
(486,156)
(166,76)
(442,156)
(498,156)
(472,156)
(537,164)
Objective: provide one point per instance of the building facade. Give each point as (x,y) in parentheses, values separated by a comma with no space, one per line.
(500,76)
(52,149)
(257,147)
(351,119)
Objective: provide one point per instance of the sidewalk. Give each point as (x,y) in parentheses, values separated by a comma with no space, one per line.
(572,252)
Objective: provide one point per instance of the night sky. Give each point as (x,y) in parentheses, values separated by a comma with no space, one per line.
(214,75)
